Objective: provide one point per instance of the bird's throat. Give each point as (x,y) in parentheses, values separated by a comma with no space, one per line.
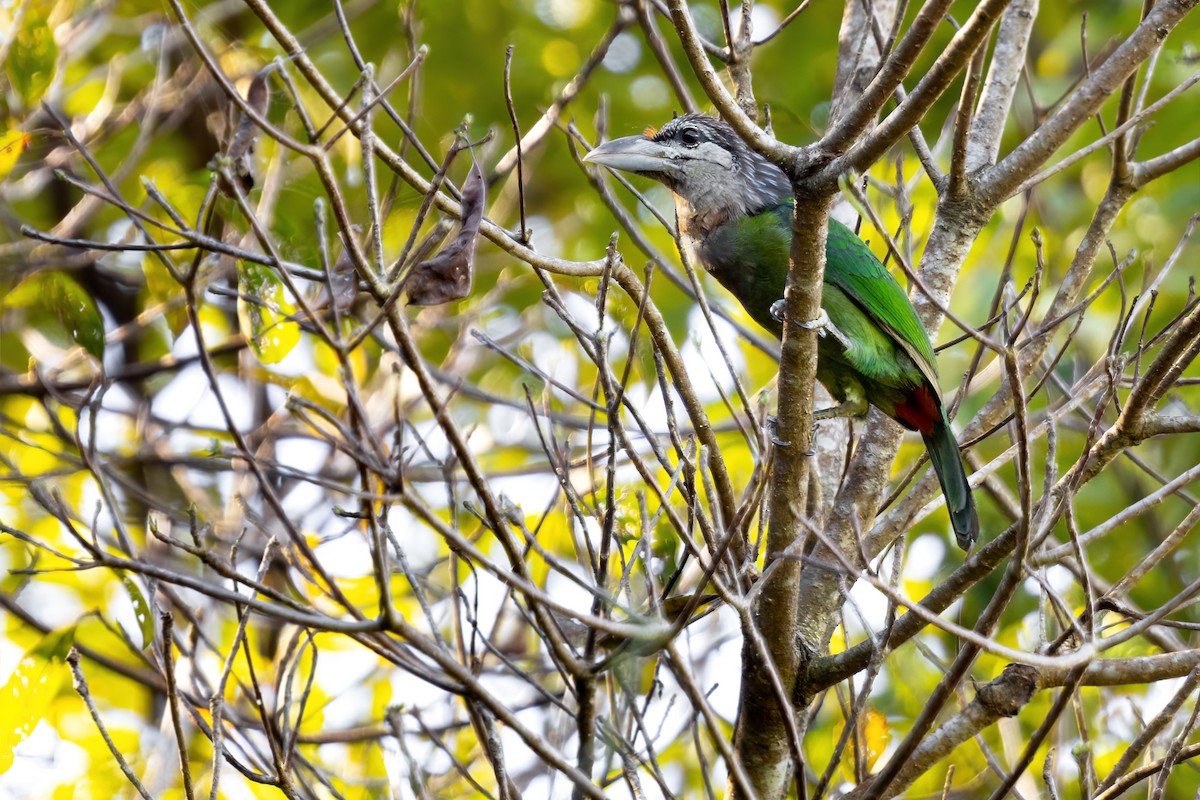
(695,227)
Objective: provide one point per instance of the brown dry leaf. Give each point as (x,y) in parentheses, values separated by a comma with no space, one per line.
(241,149)
(448,275)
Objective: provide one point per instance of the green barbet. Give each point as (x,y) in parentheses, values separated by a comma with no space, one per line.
(734,210)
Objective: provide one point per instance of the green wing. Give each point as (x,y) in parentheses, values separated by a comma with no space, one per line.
(852,267)
(749,257)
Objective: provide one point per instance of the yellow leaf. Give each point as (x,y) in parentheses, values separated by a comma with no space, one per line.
(30,690)
(837,642)
(264,313)
(876,735)
(12,144)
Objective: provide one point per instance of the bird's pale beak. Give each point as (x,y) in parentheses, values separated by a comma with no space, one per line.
(632,154)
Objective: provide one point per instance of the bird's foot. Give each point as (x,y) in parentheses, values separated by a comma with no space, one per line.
(777,309)
(853,407)
(822,324)
(772,424)
(825,327)
(772,432)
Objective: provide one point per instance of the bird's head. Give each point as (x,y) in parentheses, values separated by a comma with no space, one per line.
(703,161)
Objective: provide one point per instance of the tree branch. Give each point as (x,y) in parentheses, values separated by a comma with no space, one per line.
(1000,181)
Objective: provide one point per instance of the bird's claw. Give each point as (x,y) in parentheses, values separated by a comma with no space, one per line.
(821,324)
(776,311)
(772,424)
(825,327)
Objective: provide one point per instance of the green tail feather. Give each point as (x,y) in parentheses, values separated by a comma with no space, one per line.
(948,464)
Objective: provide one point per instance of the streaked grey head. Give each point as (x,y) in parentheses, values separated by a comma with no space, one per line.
(702,160)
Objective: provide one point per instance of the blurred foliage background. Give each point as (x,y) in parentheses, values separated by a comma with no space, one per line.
(129,83)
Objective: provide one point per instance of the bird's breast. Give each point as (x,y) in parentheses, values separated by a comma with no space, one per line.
(693,250)
(695,230)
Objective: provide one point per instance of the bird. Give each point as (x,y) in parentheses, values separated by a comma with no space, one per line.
(734,211)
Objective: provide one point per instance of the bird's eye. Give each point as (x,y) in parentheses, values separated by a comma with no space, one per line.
(690,137)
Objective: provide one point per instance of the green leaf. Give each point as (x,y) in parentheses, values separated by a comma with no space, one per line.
(163,288)
(264,313)
(31,689)
(31,60)
(56,303)
(141,609)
